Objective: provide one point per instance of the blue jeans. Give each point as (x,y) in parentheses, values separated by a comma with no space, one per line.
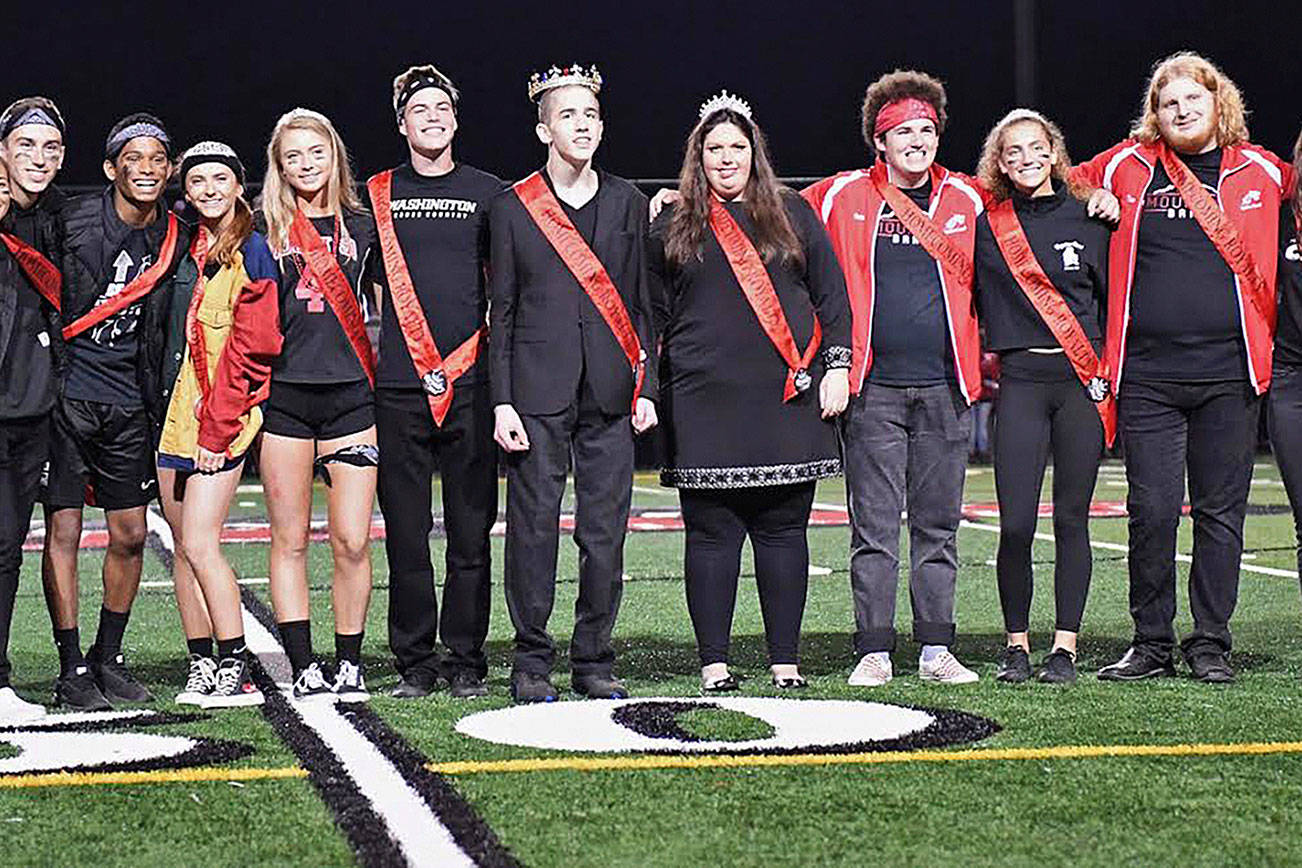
(904,447)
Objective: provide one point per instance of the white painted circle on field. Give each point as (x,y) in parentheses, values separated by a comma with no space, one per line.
(798,724)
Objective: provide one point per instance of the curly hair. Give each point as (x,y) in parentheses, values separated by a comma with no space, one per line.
(996,182)
(1231,115)
(902,84)
(774,234)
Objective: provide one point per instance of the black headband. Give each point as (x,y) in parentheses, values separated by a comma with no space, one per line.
(420,82)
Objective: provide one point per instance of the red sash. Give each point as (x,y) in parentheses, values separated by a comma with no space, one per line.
(194,336)
(1223,234)
(757,286)
(1053,309)
(336,289)
(436,373)
(39,270)
(587,269)
(930,235)
(133,291)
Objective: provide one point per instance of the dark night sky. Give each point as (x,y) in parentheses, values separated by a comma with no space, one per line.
(228,70)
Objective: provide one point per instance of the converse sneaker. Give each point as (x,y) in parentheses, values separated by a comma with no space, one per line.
(234,687)
(15,709)
(944,668)
(350,686)
(199,682)
(311,684)
(873,670)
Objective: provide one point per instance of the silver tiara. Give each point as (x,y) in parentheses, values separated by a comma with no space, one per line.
(209,149)
(728,101)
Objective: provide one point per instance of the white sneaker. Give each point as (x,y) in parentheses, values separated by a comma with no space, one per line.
(199,682)
(15,709)
(350,686)
(873,670)
(944,668)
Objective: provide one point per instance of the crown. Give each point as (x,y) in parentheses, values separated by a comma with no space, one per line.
(557,76)
(728,101)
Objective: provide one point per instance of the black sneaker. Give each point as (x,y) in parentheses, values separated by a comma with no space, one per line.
(1210,667)
(78,691)
(1137,663)
(532,687)
(1014,665)
(415,685)
(1059,667)
(234,688)
(312,685)
(599,687)
(465,685)
(115,680)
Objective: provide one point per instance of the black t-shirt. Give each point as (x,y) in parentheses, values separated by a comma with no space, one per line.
(316,350)
(442,228)
(26,361)
(102,359)
(1070,247)
(1288,332)
(910,336)
(1184,314)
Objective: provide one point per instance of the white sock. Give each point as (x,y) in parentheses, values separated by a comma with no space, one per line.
(931,652)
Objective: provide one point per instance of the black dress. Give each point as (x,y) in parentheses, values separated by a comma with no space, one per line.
(722,380)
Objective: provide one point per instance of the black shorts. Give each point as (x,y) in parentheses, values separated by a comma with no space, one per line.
(101,455)
(318,411)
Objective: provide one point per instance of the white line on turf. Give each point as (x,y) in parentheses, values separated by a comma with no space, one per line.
(420,834)
(1122,547)
(253,581)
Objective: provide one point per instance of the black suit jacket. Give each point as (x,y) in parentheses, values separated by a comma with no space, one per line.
(545,333)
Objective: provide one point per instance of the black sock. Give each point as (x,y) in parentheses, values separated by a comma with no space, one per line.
(348,646)
(69,644)
(199,647)
(297,636)
(108,639)
(227,648)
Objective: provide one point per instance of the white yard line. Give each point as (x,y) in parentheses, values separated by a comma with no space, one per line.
(663,492)
(254,581)
(423,838)
(1122,547)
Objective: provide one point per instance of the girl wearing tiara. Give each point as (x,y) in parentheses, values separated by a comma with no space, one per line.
(755,320)
(320,416)
(219,342)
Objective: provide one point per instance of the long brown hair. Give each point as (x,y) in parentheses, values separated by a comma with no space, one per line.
(1231,116)
(222,248)
(997,182)
(774,235)
(1296,193)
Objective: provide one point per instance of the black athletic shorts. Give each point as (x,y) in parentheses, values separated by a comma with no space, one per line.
(318,411)
(101,455)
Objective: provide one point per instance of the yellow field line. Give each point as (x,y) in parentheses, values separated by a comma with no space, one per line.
(706,761)
(162,776)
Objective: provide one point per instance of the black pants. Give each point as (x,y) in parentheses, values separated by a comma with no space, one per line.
(776,519)
(412,447)
(602,450)
(1037,418)
(1285,400)
(23,446)
(1210,429)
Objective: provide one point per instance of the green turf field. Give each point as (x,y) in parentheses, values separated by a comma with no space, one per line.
(1016,808)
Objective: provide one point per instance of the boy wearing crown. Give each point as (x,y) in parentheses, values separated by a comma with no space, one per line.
(915,369)
(572,364)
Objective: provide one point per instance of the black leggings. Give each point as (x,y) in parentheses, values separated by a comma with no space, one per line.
(776,519)
(1032,419)
(1285,402)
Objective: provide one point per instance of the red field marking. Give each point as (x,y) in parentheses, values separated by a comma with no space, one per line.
(651,520)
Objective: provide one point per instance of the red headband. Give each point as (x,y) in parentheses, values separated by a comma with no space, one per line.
(895,113)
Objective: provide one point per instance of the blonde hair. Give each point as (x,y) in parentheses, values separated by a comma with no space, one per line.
(996,182)
(1231,115)
(278,204)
